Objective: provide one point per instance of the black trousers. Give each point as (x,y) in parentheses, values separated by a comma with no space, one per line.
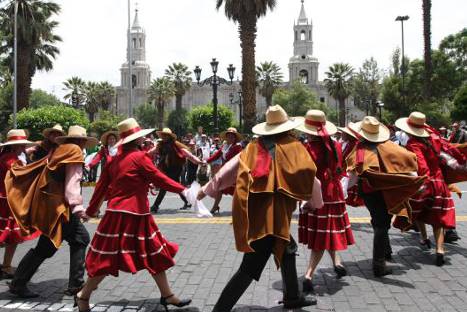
(174,173)
(381,223)
(77,237)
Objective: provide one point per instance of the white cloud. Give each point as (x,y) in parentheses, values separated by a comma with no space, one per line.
(192,32)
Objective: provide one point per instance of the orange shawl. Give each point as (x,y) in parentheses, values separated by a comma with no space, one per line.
(264,206)
(36,193)
(386,168)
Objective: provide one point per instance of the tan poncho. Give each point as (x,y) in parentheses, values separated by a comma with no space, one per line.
(36,193)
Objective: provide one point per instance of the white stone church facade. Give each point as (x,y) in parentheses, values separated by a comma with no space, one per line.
(303,65)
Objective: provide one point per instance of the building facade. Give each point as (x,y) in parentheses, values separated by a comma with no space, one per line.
(303,66)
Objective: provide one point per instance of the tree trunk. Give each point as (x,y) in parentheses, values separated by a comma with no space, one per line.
(178,102)
(160,115)
(427,53)
(269,100)
(91,117)
(342,112)
(24,76)
(247,31)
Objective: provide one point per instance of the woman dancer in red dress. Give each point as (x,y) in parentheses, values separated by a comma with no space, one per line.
(433,204)
(107,151)
(227,151)
(327,228)
(127,238)
(10,233)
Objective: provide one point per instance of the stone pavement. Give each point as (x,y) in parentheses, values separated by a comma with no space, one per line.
(207,259)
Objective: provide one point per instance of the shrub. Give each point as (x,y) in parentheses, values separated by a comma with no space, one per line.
(203,116)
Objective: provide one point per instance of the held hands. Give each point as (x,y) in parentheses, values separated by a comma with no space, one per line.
(82,215)
(200,195)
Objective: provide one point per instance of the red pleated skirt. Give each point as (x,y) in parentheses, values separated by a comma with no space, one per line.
(435,205)
(352,197)
(129,243)
(327,228)
(10,232)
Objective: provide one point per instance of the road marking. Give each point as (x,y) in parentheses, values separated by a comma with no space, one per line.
(228,220)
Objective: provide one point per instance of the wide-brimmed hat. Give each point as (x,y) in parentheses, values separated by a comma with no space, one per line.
(105,136)
(347,130)
(129,130)
(233,131)
(277,121)
(168,132)
(315,123)
(57,128)
(371,130)
(414,125)
(77,132)
(17,137)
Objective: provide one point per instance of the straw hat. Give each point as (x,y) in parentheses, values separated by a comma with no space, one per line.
(129,130)
(167,131)
(347,130)
(315,123)
(277,121)
(17,137)
(233,131)
(105,136)
(371,130)
(77,132)
(56,128)
(413,125)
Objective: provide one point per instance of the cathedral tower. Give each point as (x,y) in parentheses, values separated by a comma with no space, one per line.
(303,65)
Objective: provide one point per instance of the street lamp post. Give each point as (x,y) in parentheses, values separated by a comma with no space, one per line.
(402,19)
(15,66)
(239,101)
(215,81)
(130,65)
(380,107)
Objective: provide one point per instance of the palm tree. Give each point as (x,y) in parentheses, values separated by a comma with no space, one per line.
(75,87)
(36,41)
(179,74)
(269,78)
(106,94)
(427,39)
(161,91)
(339,86)
(246,13)
(91,92)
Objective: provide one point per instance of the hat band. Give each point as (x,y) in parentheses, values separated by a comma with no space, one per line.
(412,124)
(17,138)
(129,132)
(319,124)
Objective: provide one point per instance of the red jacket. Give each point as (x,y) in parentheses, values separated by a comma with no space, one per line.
(6,160)
(103,153)
(427,158)
(125,183)
(229,154)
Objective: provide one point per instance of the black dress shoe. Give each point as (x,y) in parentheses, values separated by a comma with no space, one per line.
(451,236)
(307,285)
(340,270)
(186,207)
(381,271)
(299,303)
(23,292)
(71,291)
(440,259)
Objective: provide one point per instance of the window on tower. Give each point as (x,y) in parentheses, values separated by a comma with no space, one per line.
(140,42)
(133,81)
(309,35)
(302,35)
(134,43)
(303,74)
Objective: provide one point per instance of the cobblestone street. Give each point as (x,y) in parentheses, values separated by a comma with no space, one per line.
(207,258)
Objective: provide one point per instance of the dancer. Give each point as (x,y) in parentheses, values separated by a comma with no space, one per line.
(10,233)
(385,173)
(327,228)
(47,145)
(172,157)
(433,204)
(127,238)
(51,202)
(349,142)
(271,175)
(107,150)
(228,150)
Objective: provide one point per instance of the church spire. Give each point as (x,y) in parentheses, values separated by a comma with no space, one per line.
(136,24)
(302,19)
